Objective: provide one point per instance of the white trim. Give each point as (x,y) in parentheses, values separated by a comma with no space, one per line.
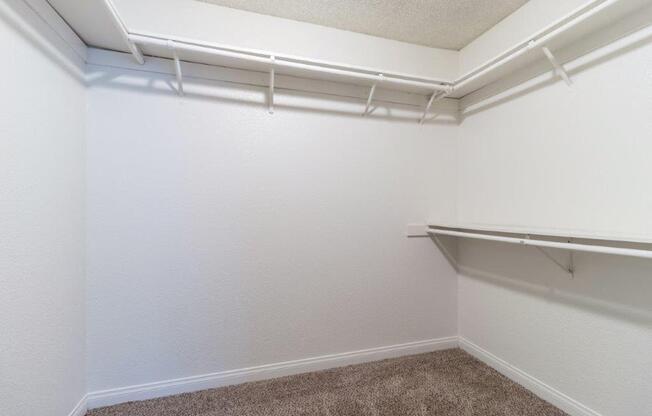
(55,22)
(536,386)
(224,378)
(81,407)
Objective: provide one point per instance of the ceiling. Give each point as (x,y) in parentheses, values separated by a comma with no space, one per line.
(448,24)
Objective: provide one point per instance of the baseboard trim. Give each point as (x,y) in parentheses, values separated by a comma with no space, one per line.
(225,378)
(81,408)
(551,395)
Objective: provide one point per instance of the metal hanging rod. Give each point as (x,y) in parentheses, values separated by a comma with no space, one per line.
(589,248)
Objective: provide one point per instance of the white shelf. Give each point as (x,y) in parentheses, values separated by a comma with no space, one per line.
(544,239)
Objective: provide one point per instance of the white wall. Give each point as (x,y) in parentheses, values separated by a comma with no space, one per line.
(42,329)
(547,157)
(544,156)
(222,237)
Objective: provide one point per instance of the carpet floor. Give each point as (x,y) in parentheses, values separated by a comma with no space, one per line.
(442,383)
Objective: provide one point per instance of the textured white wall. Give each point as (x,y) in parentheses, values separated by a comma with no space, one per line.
(588,337)
(222,237)
(42,334)
(546,156)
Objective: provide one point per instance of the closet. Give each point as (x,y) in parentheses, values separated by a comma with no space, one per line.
(220,207)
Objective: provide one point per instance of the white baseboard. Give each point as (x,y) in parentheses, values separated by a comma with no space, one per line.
(81,408)
(551,395)
(268,371)
(224,378)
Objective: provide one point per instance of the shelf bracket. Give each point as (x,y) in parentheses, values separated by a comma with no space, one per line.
(124,33)
(425,111)
(566,268)
(557,66)
(571,262)
(177,66)
(436,96)
(272,75)
(447,254)
(371,94)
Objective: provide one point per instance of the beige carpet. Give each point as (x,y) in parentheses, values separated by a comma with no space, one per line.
(443,383)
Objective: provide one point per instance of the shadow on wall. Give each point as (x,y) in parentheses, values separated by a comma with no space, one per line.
(20,18)
(616,286)
(620,38)
(202,82)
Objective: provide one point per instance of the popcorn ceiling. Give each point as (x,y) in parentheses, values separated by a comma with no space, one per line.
(448,24)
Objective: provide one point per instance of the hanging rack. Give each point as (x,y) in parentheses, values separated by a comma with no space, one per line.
(526,241)
(283,62)
(591,16)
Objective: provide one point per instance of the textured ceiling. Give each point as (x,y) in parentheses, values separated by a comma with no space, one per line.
(449,24)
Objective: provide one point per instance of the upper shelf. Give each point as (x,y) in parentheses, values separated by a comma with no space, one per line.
(594,16)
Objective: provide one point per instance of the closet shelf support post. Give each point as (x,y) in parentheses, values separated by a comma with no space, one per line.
(177,66)
(557,66)
(119,24)
(425,111)
(371,94)
(272,75)
(436,96)
(567,269)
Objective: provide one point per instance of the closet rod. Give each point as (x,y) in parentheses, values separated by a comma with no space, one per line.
(206,48)
(631,252)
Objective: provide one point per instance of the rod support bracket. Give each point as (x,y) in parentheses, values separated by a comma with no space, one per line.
(272,76)
(372,91)
(434,97)
(566,268)
(558,68)
(124,32)
(177,66)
